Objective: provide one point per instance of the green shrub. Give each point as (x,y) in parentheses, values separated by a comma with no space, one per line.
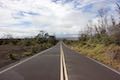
(12,56)
(28,54)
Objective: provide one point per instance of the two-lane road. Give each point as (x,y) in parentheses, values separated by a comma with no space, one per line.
(58,63)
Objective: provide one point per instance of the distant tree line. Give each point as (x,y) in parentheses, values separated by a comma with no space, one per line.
(41,37)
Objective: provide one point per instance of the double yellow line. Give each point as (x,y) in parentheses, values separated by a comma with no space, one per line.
(63,69)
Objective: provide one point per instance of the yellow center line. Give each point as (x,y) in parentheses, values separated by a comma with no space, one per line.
(63,65)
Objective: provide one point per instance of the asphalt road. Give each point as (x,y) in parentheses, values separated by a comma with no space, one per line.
(58,63)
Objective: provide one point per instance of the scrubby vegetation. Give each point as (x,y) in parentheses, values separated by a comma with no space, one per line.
(101,41)
(15,49)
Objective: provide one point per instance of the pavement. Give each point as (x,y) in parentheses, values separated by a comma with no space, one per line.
(58,63)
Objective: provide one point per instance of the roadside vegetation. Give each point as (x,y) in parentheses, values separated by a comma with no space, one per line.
(13,49)
(101,41)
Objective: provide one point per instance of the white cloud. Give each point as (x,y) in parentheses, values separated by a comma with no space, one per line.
(29,16)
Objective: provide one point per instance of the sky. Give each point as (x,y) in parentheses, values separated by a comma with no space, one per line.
(63,18)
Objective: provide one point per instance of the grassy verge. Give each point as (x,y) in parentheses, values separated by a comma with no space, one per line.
(27,51)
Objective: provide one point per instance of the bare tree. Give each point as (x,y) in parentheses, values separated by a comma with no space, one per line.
(103,23)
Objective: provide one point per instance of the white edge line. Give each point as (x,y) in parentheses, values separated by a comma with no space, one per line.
(24,60)
(112,69)
(64,65)
(61,65)
(104,65)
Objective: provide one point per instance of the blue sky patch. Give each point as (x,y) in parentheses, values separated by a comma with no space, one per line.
(24,13)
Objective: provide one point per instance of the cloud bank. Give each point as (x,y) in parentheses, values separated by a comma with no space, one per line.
(23,18)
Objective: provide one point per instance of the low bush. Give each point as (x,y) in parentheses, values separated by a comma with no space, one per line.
(12,56)
(28,54)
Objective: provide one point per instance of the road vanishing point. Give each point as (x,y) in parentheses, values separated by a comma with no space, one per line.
(58,63)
